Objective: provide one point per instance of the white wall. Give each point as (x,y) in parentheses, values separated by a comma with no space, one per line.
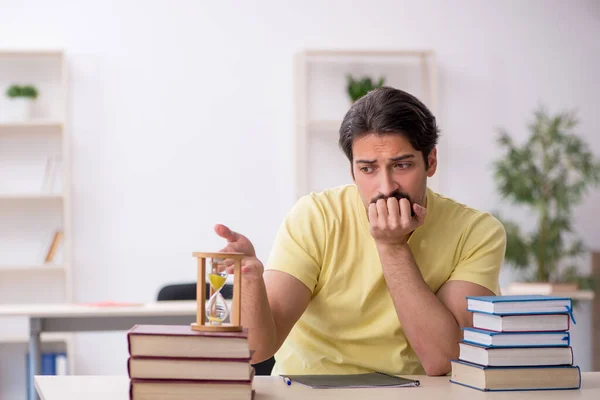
(182,115)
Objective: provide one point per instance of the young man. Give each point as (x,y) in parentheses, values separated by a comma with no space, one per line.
(372,276)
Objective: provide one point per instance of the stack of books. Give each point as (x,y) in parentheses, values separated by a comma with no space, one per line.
(174,362)
(517,343)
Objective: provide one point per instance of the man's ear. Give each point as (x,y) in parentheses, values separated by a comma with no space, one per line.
(352,171)
(432,160)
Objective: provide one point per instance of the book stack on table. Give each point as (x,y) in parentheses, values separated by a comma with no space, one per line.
(174,362)
(517,343)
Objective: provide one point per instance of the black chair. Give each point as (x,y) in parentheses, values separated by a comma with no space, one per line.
(187,291)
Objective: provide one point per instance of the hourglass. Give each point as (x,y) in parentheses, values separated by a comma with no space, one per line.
(212,314)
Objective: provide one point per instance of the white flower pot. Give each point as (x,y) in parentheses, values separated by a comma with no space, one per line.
(18,109)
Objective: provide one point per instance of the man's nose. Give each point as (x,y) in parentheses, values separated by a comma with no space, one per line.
(387,185)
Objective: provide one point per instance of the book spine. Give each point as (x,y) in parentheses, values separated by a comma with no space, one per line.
(572,357)
(129,339)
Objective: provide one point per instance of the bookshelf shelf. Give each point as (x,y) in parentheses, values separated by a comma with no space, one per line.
(30,196)
(46,337)
(27,269)
(28,125)
(33,53)
(585,295)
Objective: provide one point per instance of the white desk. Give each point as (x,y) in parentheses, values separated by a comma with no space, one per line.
(87,318)
(273,388)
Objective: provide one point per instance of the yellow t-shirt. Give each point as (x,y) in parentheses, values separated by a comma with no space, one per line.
(351,325)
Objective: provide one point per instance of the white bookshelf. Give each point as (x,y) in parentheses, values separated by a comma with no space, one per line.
(32,209)
(321,101)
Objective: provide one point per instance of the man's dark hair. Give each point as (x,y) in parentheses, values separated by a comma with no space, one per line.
(390,111)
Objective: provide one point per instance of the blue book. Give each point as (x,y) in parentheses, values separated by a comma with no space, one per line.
(47,366)
(527,304)
(516,339)
(478,377)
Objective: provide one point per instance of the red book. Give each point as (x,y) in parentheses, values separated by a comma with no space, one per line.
(228,369)
(180,341)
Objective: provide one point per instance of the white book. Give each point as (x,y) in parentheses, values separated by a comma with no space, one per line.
(61,364)
(515,339)
(527,304)
(515,356)
(521,323)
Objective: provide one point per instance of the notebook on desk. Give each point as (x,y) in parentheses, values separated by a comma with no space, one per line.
(369,380)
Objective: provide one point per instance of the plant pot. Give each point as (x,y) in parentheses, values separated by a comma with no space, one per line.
(518,288)
(18,109)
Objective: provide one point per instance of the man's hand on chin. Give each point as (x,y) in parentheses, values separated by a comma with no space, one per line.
(391,222)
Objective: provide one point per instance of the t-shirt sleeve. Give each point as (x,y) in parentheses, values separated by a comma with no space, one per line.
(482,254)
(299,244)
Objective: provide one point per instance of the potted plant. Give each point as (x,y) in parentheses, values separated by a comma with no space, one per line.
(549,174)
(21,101)
(357,88)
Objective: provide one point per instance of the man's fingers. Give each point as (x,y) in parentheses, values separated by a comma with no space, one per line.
(382,213)
(393,212)
(405,214)
(420,213)
(226,233)
(373,213)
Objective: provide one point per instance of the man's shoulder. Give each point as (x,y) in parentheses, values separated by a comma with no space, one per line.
(336,194)
(333,197)
(335,203)
(462,215)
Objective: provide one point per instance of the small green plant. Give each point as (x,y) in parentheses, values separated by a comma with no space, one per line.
(27,91)
(357,88)
(550,174)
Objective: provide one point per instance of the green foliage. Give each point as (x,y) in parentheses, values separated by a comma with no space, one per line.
(22,91)
(550,174)
(357,88)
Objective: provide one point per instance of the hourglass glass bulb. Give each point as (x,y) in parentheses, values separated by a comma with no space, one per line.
(216,308)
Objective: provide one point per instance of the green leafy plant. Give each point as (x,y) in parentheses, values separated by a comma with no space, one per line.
(357,88)
(27,91)
(550,174)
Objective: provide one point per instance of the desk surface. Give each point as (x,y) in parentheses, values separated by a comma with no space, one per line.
(273,388)
(90,310)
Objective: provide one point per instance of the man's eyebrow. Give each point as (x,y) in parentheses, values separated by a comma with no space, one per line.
(404,157)
(394,159)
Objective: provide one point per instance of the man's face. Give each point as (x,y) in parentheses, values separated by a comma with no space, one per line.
(387,165)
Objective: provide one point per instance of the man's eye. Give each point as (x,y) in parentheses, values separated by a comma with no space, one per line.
(402,165)
(366,170)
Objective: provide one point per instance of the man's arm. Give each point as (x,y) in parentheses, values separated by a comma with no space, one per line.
(434,335)
(431,323)
(272,301)
(270,309)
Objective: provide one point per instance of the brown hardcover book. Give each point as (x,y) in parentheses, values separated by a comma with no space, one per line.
(153,389)
(229,369)
(56,241)
(180,341)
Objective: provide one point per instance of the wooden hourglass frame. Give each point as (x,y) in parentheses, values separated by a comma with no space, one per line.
(202,323)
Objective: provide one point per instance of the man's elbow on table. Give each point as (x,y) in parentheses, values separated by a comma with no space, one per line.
(439,367)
